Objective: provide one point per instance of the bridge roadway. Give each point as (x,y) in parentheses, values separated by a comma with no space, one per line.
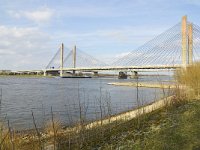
(93,69)
(96,69)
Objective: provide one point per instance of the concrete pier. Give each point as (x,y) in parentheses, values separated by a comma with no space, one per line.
(96,74)
(122,75)
(134,74)
(45,73)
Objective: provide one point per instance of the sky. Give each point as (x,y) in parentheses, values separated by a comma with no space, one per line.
(31,31)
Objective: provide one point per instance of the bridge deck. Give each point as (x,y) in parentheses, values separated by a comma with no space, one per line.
(117,68)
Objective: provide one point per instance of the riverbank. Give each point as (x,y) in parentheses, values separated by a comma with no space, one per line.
(171,120)
(25,76)
(142,84)
(174,126)
(27,138)
(126,116)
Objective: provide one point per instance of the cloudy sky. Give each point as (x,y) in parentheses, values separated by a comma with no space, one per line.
(32,30)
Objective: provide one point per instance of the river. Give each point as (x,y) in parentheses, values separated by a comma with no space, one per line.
(67,97)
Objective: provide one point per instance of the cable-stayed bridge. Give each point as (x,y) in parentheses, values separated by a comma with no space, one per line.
(177,47)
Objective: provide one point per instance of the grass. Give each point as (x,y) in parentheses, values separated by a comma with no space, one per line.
(172,128)
(176,128)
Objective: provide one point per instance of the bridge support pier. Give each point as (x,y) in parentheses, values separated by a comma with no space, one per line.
(96,74)
(73,72)
(134,74)
(122,75)
(45,73)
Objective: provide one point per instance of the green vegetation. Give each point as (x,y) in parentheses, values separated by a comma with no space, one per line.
(173,128)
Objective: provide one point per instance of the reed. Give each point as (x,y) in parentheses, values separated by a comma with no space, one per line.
(190,78)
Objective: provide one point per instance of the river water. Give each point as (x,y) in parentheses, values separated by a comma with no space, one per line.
(68,97)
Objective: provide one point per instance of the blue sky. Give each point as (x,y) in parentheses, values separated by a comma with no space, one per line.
(32,30)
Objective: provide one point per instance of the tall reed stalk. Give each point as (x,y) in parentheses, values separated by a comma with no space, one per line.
(190,77)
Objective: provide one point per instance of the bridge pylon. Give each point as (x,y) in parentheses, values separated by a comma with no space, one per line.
(61,59)
(74,58)
(187,42)
(184,41)
(190,44)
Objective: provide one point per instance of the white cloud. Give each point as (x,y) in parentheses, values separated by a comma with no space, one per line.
(41,15)
(23,48)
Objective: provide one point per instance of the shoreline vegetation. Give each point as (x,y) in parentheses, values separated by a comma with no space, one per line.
(170,123)
(25,76)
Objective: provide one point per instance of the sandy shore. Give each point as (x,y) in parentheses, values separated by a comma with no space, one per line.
(147,85)
(133,113)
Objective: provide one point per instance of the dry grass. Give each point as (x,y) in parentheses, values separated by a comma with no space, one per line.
(52,128)
(190,77)
(9,140)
